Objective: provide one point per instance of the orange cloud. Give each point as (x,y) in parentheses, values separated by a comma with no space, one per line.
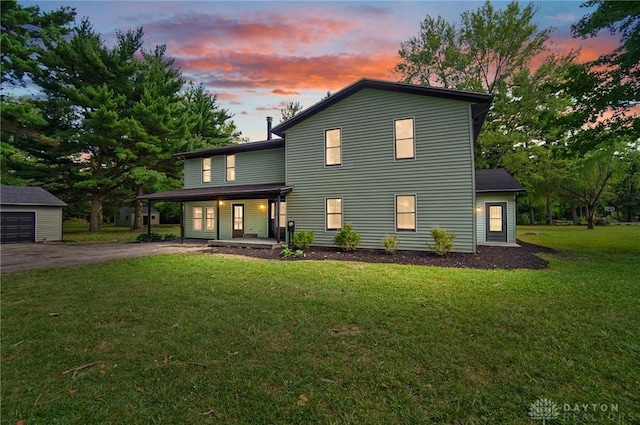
(325,72)
(589,49)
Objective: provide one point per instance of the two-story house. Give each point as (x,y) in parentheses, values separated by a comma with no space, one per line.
(389,158)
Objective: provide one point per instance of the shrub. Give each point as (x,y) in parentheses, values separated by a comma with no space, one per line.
(304,238)
(391,244)
(288,252)
(443,241)
(143,237)
(170,237)
(347,238)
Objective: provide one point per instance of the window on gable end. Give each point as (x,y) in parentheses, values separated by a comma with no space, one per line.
(406,212)
(404,140)
(333,210)
(333,147)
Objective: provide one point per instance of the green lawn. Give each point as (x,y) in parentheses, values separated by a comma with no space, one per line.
(210,339)
(79,233)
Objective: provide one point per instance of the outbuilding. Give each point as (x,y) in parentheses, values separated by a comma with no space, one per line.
(128,216)
(29,214)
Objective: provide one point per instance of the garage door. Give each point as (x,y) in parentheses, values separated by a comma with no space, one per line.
(18,227)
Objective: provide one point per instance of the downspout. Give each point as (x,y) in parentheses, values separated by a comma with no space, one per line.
(474,213)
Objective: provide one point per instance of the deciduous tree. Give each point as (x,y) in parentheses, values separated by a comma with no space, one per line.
(490,51)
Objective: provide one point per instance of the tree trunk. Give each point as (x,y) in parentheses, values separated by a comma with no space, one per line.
(96,213)
(532,213)
(574,215)
(549,216)
(591,209)
(138,224)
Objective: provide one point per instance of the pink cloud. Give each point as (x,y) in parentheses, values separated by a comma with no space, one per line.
(197,34)
(281,92)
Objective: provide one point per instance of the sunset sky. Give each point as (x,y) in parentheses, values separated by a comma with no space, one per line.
(257,55)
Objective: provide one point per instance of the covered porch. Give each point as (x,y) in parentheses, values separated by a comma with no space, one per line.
(240,216)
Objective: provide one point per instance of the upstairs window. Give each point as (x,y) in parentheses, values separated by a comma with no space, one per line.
(406,212)
(231,168)
(405,147)
(206,170)
(333,147)
(333,209)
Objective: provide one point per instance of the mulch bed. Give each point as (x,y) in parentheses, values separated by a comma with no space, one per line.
(487,257)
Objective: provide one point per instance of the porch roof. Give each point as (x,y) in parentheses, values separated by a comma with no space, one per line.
(219,192)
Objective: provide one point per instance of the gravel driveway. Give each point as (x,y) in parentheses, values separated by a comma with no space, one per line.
(27,256)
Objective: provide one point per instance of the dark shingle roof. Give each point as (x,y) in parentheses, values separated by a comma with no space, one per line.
(241,147)
(26,195)
(481,101)
(223,192)
(497,180)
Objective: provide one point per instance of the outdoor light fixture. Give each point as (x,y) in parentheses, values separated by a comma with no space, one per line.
(221,203)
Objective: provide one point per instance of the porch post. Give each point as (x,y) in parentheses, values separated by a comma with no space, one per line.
(218,218)
(149,221)
(277,220)
(181,222)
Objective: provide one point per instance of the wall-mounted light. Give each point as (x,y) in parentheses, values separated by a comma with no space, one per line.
(221,203)
(263,207)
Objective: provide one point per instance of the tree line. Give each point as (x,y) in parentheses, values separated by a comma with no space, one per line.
(568,131)
(106,121)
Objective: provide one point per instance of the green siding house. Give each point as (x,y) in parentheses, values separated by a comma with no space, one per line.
(388,158)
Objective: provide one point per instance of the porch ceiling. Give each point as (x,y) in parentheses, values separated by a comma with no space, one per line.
(219,192)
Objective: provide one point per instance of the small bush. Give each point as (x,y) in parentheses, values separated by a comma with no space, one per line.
(170,237)
(288,252)
(443,241)
(390,244)
(303,238)
(143,237)
(347,238)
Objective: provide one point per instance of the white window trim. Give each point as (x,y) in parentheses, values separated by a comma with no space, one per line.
(395,213)
(325,148)
(326,214)
(226,167)
(395,158)
(202,169)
